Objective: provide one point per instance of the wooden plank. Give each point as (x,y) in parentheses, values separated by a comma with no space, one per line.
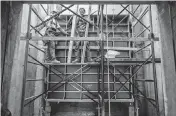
(89,2)
(112,48)
(88,100)
(72,35)
(92,64)
(120,39)
(133,60)
(144,80)
(86,35)
(89,74)
(115,61)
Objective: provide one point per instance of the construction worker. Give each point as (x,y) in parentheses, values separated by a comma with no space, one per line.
(81,28)
(52,29)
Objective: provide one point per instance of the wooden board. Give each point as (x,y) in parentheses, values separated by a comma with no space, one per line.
(35,38)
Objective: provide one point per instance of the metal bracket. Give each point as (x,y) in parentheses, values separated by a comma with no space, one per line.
(29,36)
(151,36)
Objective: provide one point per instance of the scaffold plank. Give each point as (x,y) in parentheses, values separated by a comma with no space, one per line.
(95,63)
(115,61)
(133,60)
(83,91)
(111,48)
(89,83)
(88,100)
(120,39)
(144,80)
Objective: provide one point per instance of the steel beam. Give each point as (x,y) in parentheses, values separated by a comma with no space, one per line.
(142,48)
(89,2)
(36,48)
(36,13)
(44,9)
(36,31)
(88,100)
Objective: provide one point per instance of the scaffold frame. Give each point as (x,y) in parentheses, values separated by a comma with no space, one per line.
(103,64)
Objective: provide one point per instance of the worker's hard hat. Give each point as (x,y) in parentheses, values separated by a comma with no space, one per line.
(53,12)
(82,9)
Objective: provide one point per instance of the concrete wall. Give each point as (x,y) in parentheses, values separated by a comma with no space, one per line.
(4,30)
(11,20)
(14,25)
(167,55)
(148,68)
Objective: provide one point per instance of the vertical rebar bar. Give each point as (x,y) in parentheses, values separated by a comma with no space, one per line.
(26,61)
(153,62)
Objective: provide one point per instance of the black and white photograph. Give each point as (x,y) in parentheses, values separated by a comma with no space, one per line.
(88,58)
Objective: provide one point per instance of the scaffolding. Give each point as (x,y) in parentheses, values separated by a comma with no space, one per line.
(108,72)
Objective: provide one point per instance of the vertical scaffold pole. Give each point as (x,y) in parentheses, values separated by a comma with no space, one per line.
(99,66)
(28,36)
(109,90)
(72,35)
(153,62)
(102,65)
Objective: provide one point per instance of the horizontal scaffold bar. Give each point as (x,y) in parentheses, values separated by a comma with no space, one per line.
(87,100)
(91,73)
(94,63)
(110,48)
(35,38)
(133,60)
(115,61)
(91,83)
(83,91)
